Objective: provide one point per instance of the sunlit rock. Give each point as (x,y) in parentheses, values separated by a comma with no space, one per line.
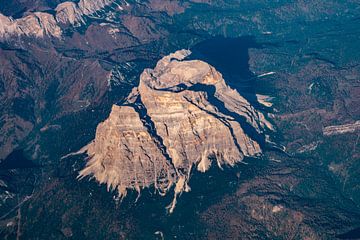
(181,116)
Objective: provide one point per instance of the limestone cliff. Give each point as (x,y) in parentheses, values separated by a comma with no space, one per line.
(66,15)
(40,24)
(181,116)
(37,25)
(69,12)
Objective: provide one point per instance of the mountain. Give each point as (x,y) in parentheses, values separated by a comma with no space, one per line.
(70,71)
(182,115)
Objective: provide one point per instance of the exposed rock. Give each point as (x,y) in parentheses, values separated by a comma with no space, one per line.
(88,7)
(181,115)
(40,24)
(341,129)
(264,100)
(68,12)
(37,25)
(141,163)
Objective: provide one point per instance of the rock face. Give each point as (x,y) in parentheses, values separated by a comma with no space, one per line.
(182,115)
(37,25)
(88,7)
(124,138)
(40,24)
(35,76)
(69,12)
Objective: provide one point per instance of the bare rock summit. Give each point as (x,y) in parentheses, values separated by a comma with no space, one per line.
(181,117)
(41,24)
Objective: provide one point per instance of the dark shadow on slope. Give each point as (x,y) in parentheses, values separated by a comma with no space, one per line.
(16,160)
(150,126)
(206,189)
(230,56)
(353,234)
(248,129)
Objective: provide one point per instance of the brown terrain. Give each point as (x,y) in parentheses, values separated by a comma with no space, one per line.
(66,69)
(70,77)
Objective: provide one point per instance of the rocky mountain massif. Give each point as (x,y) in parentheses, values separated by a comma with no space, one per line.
(43,53)
(182,115)
(70,14)
(302,56)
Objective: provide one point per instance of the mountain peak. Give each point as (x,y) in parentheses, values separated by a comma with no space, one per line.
(182,115)
(40,24)
(37,24)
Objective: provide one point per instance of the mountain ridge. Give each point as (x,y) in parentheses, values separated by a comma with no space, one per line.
(171,123)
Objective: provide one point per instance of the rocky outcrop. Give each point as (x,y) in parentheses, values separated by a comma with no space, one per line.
(341,129)
(88,7)
(75,14)
(69,12)
(40,24)
(182,115)
(36,25)
(139,162)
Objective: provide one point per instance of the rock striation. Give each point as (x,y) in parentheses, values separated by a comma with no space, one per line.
(182,116)
(36,25)
(70,12)
(341,129)
(40,24)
